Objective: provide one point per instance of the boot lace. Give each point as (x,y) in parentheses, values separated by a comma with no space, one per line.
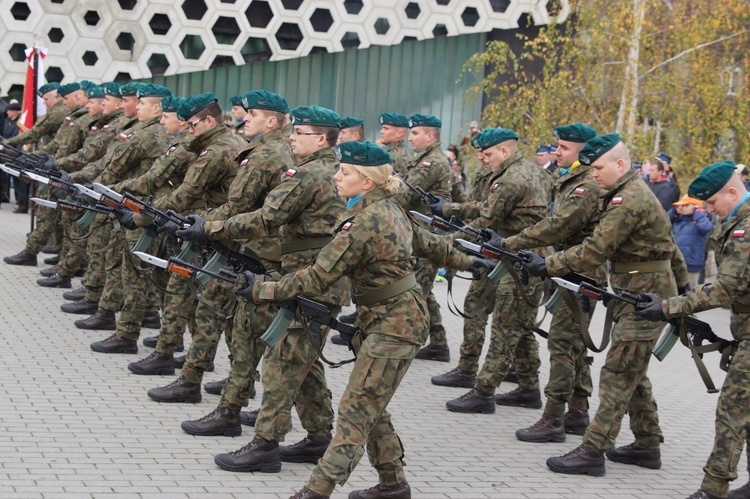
(209,416)
(575,452)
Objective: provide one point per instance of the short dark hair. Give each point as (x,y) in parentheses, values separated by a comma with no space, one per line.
(331,133)
(658,164)
(280,117)
(213,110)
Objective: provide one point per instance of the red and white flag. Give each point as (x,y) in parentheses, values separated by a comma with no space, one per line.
(34,80)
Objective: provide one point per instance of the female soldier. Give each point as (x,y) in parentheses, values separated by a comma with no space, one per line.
(375,247)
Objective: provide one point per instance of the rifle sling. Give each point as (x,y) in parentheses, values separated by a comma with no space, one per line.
(386,292)
(304,244)
(727,349)
(739,308)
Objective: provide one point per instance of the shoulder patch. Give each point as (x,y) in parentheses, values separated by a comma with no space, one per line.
(616,200)
(426,163)
(739,233)
(495,186)
(346,226)
(123,136)
(72,124)
(203,153)
(93,129)
(105,127)
(68,118)
(243,162)
(171,149)
(290,172)
(579,190)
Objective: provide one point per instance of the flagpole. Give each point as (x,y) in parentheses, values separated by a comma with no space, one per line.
(35,61)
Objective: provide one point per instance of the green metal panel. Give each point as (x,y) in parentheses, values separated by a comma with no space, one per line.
(412,77)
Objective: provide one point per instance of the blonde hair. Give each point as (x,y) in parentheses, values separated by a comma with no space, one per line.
(381,175)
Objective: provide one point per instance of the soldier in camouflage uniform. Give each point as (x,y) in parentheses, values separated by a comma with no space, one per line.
(635,236)
(238,112)
(305,207)
(352,129)
(393,130)
(724,193)
(518,198)
(373,246)
(429,170)
(262,163)
(574,216)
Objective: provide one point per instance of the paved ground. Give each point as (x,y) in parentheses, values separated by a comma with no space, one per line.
(77,424)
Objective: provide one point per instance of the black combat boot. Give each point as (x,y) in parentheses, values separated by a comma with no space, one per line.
(248,418)
(76,294)
(215,387)
(156,363)
(22,258)
(702,494)
(50,271)
(741,493)
(472,401)
(177,391)
(456,377)
(548,429)
(220,421)
(433,352)
(51,249)
(349,318)
(52,260)
(308,450)
(511,377)
(115,344)
(583,460)
(82,306)
(55,281)
(520,397)
(104,321)
(399,491)
(336,339)
(151,321)
(306,493)
(258,455)
(151,342)
(635,454)
(576,421)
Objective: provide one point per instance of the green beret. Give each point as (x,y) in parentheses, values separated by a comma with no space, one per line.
(350,122)
(95,92)
(131,89)
(170,103)
(195,104)
(394,119)
(315,115)
(112,89)
(235,100)
(362,153)
(596,148)
(424,120)
(493,136)
(711,179)
(263,99)
(68,88)
(478,141)
(575,132)
(48,87)
(151,90)
(85,84)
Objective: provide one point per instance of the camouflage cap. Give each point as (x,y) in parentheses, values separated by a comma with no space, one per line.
(394,119)
(151,90)
(424,120)
(362,153)
(711,179)
(596,148)
(235,100)
(315,115)
(131,89)
(494,136)
(575,132)
(170,103)
(112,89)
(263,99)
(48,87)
(95,92)
(194,104)
(68,88)
(351,122)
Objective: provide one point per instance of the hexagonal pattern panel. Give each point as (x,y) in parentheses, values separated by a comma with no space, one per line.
(136,39)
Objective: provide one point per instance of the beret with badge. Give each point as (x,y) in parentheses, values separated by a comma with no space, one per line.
(195,104)
(711,179)
(48,87)
(492,136)
(68,88)
(574,132)
(424,120)
(263,99)
(131,89)
(235,100)
(315,115)
(362,153)
(112,89)
(598,146)
(151,90)
(170,103)
(351,122)
(394,119)
(94,92)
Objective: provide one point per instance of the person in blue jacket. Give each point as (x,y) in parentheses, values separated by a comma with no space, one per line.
(691,227)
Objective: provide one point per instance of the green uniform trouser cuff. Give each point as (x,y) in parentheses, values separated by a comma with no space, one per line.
(391,477)
(715,486)
(554,409)
(319,483)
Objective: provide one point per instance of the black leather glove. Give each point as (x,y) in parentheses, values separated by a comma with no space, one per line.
(536,265)
(126,220)
(492,238)
(437,207)
(481,267)
(243,287)
(195,232)
(65,176)
(168,227)
(654,312)
(49,162)
(684,289)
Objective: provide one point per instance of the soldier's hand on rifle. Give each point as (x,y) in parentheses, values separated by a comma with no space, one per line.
(49,162)
(195,232)
(492,238)
(535,265)
(243,287)
(653,312)
(684,289)
(64,176)
(127,221)
(168,227)
(481,267)
(437,206)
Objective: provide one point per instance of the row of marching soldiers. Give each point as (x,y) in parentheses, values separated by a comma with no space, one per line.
(283,195)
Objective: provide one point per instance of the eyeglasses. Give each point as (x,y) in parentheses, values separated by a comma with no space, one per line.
(297,132)
(191,124)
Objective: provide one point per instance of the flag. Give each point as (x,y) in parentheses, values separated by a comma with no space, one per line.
(34,79)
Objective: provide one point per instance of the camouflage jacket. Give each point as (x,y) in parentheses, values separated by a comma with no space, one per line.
(89,172)
(65,135)
(95,144)
(374,247)
(143,146)
(261,165)
(304,206)
(167,172)
(400,156)
(574,217)
(207,181)
(480,189)
(429,170)
(44,129)
(633,229)
(732,240)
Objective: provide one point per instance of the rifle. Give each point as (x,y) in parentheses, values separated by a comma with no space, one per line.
(589,290)
(69,206)
(696,329)
(425,196)
(21,158)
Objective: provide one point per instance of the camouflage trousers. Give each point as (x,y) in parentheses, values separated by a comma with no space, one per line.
(112,295)
(293,375)
(177,313)
(511,337)
(382,362)
(732,424)
(141,284)
(425,273)
(250,322)
(209,324)
(569,369)
(624,387)
(73,252)
(478,303)
(96,276)
(46,227)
